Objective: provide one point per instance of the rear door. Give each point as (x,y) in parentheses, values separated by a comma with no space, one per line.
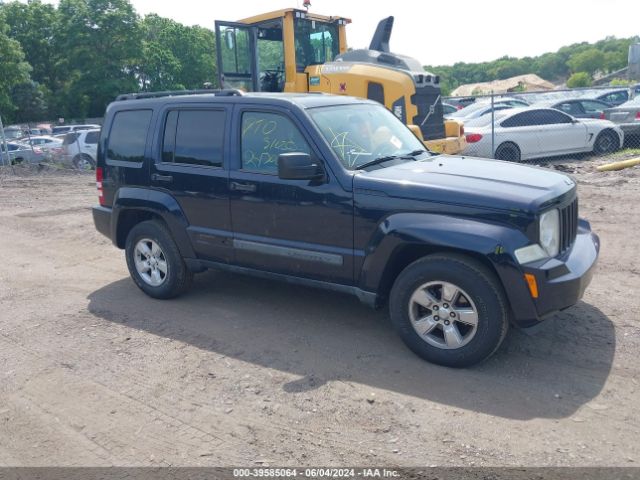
(90,143)
(236,51)
(190,165)
(594,109)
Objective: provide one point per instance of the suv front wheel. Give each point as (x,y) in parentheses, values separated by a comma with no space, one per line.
(154,261)
(449,310)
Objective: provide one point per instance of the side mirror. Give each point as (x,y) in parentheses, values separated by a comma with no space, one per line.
(230,38)
(298,166)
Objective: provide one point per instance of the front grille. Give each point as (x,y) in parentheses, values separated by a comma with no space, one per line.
(568,225)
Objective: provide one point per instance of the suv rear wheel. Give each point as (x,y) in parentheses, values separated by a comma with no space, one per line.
(154,262)
(449,310)
(84,162)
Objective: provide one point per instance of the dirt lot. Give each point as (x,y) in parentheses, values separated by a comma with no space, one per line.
(247,372)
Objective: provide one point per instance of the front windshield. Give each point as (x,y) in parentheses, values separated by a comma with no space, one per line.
(359,134)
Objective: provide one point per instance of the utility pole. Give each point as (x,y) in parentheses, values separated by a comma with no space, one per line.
(4,144)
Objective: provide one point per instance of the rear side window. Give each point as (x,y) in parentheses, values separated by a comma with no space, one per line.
(194,137)
(92,137)
(70,138)
(128,136)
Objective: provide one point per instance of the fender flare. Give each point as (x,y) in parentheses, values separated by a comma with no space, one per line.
(155,202)
(493,242)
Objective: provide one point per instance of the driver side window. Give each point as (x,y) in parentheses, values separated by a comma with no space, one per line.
(264,136)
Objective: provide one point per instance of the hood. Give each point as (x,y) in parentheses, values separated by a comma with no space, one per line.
(468,181)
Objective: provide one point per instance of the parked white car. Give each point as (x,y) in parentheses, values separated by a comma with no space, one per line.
(528,133)
(80,148)
(50,146)
(20,153)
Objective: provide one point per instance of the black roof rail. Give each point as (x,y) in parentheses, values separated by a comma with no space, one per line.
(229,92)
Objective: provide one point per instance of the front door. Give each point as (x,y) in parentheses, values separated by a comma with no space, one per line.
(236,49)
(294,227)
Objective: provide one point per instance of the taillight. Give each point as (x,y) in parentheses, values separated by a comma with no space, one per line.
(602,117)
(637,115)
(99,178)
(459,107)
(473,137)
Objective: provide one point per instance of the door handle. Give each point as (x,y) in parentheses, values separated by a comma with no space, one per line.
(243,187)
(156,177)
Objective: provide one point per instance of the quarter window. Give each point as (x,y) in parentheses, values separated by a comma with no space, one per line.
(194,137)
(92,137)
(128,135)
(264,137)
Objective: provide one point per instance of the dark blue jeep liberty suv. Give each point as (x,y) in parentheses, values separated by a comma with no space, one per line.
(336,192)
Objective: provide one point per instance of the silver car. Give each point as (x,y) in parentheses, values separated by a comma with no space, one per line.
(20,153)
(626,116)
(483,107)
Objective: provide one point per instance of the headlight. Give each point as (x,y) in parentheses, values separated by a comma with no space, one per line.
(550,232)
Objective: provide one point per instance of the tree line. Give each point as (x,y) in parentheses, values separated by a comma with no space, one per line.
(575,64)
(70,61)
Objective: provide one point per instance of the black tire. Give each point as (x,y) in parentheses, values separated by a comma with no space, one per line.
(487,300)
(17,161)
(84,162)
(606,142)
(509,152)
(177,278)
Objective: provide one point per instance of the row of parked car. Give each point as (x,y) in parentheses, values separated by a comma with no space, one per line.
(74,145)
(549,126)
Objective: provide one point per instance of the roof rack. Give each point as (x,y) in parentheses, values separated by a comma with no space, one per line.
(230,92)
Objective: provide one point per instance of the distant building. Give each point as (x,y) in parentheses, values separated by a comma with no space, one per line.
(634,62)
(528,82)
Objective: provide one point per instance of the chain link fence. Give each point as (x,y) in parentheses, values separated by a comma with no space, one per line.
(536,127)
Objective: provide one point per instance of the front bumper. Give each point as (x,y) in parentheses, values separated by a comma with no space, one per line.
(562,281)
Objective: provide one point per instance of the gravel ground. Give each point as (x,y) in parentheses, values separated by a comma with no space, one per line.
(247,372)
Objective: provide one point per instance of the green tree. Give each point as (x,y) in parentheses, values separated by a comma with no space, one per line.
(15,71)
(35,26)
(29,101)
(589,61)
(175,56)
(579,79)
(102,41)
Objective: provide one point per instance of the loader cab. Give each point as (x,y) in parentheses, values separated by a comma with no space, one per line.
(270,52)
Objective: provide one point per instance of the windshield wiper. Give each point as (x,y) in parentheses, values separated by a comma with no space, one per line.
(405,156)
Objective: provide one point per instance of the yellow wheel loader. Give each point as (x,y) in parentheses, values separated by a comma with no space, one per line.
(294,50)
